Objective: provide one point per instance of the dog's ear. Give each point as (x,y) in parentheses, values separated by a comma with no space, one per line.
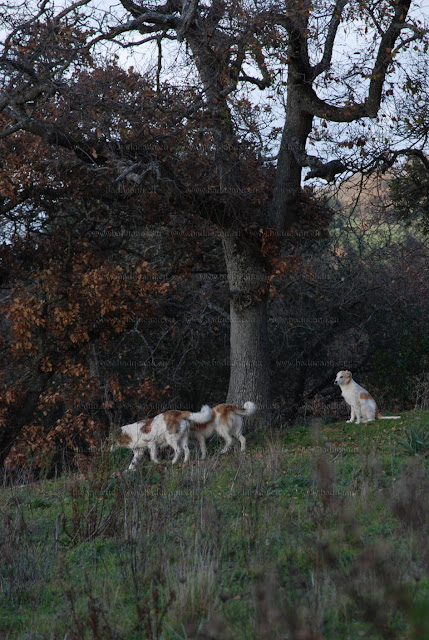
(348,374)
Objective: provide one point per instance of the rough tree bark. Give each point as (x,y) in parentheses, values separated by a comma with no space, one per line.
(249,352)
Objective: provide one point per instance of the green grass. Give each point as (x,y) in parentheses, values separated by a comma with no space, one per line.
(311,534)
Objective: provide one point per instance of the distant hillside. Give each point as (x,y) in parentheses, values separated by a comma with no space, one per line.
(364,190)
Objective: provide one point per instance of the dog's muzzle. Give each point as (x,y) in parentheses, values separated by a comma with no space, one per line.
(336,382)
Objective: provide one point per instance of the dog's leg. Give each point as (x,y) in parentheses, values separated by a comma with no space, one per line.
(367,413)
(134,462)
(228,442)
(352,415)
(202,442)
(153,452)
(242,440)
(370,410)
(358,410)
(176,447)
(185,450)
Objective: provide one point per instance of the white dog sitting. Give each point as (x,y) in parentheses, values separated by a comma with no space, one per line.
(226,420)
(362,404)
(170,428)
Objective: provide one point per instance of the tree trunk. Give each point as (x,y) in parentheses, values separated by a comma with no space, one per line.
(285,206)
(248,277)
(249,354)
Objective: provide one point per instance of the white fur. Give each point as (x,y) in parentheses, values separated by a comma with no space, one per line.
(362,408)
(226,424)
(160,436)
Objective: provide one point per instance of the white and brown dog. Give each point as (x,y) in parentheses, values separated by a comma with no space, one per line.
(168,429)
(226,420)
(363,405)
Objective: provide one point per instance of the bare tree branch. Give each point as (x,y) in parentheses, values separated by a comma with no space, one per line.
(370,106)
(319,169)
(335,21)
(261,83)
(188,13)
(296,27)
(388,160)
(260,61)
(327,170)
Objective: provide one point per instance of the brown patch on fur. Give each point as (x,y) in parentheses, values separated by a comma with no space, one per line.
(201,427)
(225,409)
(365,396)
(124,439)
(146,426)
(172,419)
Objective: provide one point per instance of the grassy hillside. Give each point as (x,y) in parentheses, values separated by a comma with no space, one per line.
(309,535)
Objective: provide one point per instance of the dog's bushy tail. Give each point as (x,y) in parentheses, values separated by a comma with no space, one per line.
(205,415)
(249,408)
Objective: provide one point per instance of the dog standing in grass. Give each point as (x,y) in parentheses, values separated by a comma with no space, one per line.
(170,428)
(227,421)
(363,405)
